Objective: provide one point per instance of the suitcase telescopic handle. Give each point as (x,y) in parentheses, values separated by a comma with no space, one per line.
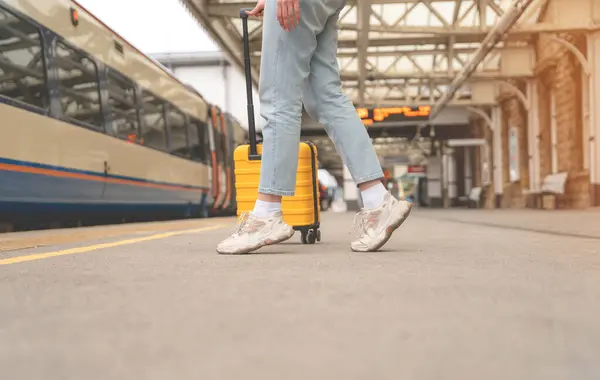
(253,154)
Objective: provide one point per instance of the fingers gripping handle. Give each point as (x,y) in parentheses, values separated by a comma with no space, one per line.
(251,122)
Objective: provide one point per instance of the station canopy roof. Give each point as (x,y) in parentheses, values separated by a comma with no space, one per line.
(399,53)
(390,52)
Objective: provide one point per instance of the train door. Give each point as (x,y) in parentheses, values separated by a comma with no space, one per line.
(220,170)
(232,141)
(214,173)
(226,160)
(199,151)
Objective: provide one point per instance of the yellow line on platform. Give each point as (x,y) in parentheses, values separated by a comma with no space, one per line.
(72,251)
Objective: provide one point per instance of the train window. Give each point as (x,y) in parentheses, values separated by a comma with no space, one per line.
(78,85)
(178,139)
(22,69)
(198,142)
(154,134)
(194,140)
(204,143)
(123,113)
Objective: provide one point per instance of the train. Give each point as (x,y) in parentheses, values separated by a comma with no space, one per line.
(92,128)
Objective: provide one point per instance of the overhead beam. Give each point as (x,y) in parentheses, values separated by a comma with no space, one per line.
(479,32)
(416,82)
(395,102)
(412,103)
(441,75)
(232,9)
(349,43)
(423,52)
(410,53)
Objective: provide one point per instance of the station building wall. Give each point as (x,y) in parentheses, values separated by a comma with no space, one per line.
(560,91)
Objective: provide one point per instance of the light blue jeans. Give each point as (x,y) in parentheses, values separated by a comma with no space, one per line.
(301,67)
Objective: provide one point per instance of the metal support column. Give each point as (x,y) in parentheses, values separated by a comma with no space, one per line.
(445,178)
(587,125)
(498,160)
(468,170)
(450,171)
(533,136)
(364,18)
(593,50)
(553,133)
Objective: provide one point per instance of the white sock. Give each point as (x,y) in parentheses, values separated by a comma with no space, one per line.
(264,209)
(373,196)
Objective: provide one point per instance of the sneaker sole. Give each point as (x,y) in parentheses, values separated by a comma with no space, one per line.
(264,243)
(388,232)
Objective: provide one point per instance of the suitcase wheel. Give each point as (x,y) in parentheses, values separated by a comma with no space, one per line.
(310,236)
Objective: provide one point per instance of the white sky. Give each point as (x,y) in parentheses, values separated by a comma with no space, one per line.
(153,26)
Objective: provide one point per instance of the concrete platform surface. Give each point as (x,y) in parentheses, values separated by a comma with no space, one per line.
(443,300)
(578,223)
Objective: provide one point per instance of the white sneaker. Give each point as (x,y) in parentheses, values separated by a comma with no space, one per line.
(253,233)
(376,226)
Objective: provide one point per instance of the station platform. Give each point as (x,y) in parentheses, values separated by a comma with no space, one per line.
(455,294)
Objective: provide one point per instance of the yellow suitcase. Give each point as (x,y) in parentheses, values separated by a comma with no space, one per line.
(301,211)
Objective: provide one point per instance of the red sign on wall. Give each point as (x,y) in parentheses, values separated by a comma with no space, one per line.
(416,169)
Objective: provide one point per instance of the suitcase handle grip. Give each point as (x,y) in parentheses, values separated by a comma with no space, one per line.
(243,13)
(253,154)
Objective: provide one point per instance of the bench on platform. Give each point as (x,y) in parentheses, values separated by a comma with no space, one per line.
(553,185)
(475,197)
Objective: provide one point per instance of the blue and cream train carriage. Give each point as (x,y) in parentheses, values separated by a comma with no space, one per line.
(90,126)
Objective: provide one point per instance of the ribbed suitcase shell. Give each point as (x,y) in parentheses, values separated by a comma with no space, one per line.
(299,210)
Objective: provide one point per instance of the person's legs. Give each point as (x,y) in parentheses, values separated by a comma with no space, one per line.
(285,64)
(325,102)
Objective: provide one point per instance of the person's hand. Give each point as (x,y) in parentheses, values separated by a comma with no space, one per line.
(258,9)
(288,13)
